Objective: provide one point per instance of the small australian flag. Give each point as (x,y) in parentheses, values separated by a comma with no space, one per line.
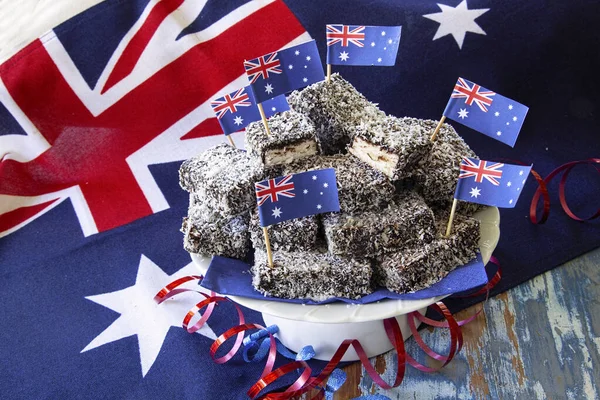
(296,196)
(487,112)
(285,70)
(362,45)
(237,109)
(490,183)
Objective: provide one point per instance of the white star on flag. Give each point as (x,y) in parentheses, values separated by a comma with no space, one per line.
(499,133)
(457,21)
(344,56)
(463,113)
(305,79)
(509,183)
(297,52)
(382,33)
(142,317)
(268,88)
(314,177)
(305,191)
(307,58)
(515,119)
(510,106)
(379,59)
(325,185)
(277,212)
(497,114)
(319,206)
(372,44)
(290,66)
(273,109)
(238,120)
(475,192)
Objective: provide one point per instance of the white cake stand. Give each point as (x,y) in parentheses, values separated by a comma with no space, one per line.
(326,326)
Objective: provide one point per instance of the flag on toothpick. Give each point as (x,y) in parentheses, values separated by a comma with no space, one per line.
(285,70)
(296,196)
(485,111)
(362,45)
(237,109)
(490,183)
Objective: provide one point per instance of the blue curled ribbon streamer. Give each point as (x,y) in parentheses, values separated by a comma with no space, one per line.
(259,343)
(335,381)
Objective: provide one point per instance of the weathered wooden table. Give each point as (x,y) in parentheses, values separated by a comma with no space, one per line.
(540,340)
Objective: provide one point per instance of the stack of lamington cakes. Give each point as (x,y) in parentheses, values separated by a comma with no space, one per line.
(395,188)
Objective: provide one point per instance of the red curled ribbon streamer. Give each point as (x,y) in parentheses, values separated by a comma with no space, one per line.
(543,191)
(305,383)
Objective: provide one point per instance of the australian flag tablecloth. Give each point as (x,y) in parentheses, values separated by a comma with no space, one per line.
(97,115)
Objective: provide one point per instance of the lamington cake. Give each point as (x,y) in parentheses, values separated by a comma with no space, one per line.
(423,265)
(359,186)
(292,138)
(336,108)
(223,177)
(391,145)
(295,234)
(437,171)
(207,232)
(311,275)
(407,222)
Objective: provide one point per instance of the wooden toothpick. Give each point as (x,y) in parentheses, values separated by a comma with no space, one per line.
(268,244)
(231,141)
(449,227)
(437,129)
(328,73)
(264,118)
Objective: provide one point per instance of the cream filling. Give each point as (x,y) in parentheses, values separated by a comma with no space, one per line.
(290,153)
(374,156)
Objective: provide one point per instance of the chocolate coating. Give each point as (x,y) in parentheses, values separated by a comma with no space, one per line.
(292,138)
(407,222)
(311,275)
(423,265)
(222,177)
(206,234)
(336,108)
(292,235)
(391,144)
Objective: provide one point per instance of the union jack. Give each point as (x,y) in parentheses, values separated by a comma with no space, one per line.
(230,103)
(271,190)
(86,142)
(261,66)
(472,94)
(345,35)
(480,170)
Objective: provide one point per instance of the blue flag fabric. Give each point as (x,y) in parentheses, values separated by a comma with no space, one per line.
(490,183)
(296,196)
(237,109)
(285,70)
(362,45)
(485,111)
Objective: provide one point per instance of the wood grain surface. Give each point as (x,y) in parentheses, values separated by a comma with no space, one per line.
(540,340)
